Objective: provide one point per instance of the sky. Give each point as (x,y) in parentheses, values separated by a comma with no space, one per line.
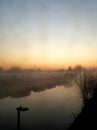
(48,33)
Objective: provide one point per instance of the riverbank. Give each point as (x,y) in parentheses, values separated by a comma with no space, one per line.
(18,84)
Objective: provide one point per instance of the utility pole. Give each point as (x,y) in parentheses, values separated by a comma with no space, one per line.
(19,109)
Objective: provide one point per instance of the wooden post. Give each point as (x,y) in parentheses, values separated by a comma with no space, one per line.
(19,109)
(18,120)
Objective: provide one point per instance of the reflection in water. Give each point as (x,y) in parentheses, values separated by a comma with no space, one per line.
(49,110)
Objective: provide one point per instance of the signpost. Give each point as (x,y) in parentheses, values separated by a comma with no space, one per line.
(19,109)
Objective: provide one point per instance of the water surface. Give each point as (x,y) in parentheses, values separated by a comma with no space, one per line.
(51,109)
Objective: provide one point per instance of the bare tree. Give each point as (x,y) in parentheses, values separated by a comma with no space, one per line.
(1,69)
(78,68)
(15,69)
(69,68)
(87,83)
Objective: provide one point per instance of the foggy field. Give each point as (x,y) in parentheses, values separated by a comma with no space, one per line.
(18,84)
(30,75)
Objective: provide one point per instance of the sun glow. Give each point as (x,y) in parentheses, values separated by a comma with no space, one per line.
(47,37)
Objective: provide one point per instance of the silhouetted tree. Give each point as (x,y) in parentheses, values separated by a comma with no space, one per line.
(86,119)
(78,68)
(61,70)
(1,69)
(15,69)
(87,82)
(69,68)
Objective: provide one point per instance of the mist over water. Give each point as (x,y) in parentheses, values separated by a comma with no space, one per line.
(51,109)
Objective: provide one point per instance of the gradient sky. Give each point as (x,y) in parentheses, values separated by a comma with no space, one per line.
(48,33)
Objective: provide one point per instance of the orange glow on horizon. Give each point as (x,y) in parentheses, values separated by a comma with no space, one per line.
(52,60)
(46,65)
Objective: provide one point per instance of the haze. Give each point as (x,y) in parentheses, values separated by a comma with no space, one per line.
(48,33)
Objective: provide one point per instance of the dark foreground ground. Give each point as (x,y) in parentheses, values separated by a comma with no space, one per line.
(87,119)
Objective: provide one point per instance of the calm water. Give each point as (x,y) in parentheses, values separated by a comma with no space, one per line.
(48,110)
